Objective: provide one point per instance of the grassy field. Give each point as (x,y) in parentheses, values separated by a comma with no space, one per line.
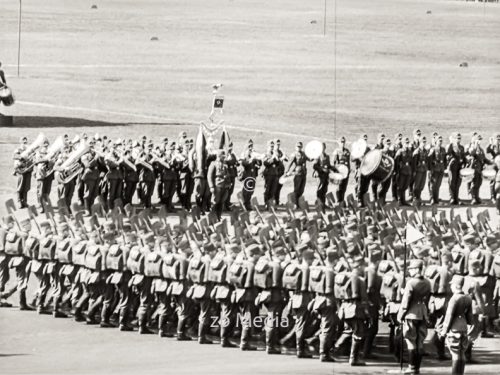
(397,68)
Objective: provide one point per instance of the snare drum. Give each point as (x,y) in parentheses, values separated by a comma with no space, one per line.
(336,178)
(467,174)
(6,96)
(343,170)
(377,165)
(489,174)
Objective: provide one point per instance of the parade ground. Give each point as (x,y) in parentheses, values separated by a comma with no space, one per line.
(127,69)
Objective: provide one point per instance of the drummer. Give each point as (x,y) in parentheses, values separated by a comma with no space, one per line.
(402,169)
(3,81)
(384,186)
(298,164)
(477,160)
(379,146)
(398,145)
(493,149)
(322,168)
(342,156)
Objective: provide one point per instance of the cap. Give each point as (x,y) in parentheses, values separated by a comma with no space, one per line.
(469,239)
(253,249)
(298,144)
(279,251)
(148,238)
(233,248)
(208,247)
(308,254)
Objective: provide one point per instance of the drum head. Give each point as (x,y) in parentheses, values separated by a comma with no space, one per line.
(358,149)
(489,174)
(370,162)
(466,172)
(343,170)
(313,149)
(336,178)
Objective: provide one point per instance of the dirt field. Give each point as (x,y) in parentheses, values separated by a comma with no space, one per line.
(96,70)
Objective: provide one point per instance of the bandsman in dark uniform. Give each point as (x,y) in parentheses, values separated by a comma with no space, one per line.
(455,156)
(437,165)
(493,149)
(322,168)
(186,182)
(248,174)
(90,178)
(342,155)
(147,180)
(398,145)
(298,163)
(419,168)
(219,182)
(402,168)
(270,173)
(386,185)
(379,146)
(23,174)
(65,190)
(232,169)
(477,160)
(130,179)
(43,178)
(113,176)
(281,168)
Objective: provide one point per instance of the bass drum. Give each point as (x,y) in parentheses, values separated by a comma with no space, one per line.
(489,174)
(6,96)
(337,177)
(467,174)
(377,165)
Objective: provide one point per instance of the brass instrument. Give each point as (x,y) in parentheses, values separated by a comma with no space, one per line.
(72,167)
(53,151)
(28,155)
(141,160)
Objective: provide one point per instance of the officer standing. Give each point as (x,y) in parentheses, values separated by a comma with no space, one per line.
(455,156)
(219,182)
(413,313)
(342,156)
(419,169)
(298,162)
(402,169)
(457,319)
(437,165)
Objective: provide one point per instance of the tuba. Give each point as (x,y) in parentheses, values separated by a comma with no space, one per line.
(53,151)
(29,154)
(71,167)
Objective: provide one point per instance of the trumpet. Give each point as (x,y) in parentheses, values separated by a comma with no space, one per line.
(53,151)
(141,160)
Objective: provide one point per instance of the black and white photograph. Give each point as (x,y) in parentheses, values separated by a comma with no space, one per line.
(226,187)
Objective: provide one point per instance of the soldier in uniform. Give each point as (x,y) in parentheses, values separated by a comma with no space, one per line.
(398,145)
(455,156)
(497,183)
(456,321)
(373,283)
(494,150)
(298,162)
(414,315)
(419,169)
(249,172)
(44,180)
(437,165)
(385,186)
(271,163)
(232,164)
(113,177)
(186,182)
(402,168)
(281,168)
(147,181)
(130,180)
(342,155)
(23,173)
(65,190)
(90,178)
(477,159)
(168,177)
(322,168)
(219,182)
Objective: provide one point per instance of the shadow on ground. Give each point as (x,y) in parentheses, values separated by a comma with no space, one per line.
(72,122)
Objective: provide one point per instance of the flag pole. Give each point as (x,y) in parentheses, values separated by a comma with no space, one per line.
(19,38)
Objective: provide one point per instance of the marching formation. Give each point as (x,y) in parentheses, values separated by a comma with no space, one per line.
(322,279)
(97,168)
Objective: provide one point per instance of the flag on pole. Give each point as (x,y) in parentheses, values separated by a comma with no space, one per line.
(413,234)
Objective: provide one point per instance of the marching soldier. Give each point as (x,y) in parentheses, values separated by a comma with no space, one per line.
(476,159)
(298,162)
(186,182)
(413,313)
(402,168)
(385,186)
(248,173)
(280,169)
(271,163)
(130,179)
(342,156)
(113,177)
(494,150)
(23,171)
(219,182)
(322,168)
(398,145)
(419,169)
(65,190)
(147,179)
(168,177)
(90,178)
(457,319)
(43,178)
(437,165)
(455,156)
(232,164)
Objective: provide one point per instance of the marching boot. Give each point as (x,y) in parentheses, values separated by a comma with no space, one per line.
(57,313)
(457,367)
(143,328)
(78,314)
(164,327)
(441,349)
(91,312)
(301,350)
(202,335)
(245,340)
(484,328)
(418,361)
(324,350)
(105,313)
(411,362)
(271,347)
(225,343)
(23,305)
(123,321)
(354,357)
(391,340)
(181,334)
(368,346)
(468,355)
